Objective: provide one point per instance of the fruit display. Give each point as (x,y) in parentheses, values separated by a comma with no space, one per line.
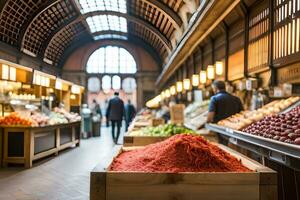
(180,153)
(245,118)
(35,119)
(70,116)
(283,127)
(40,119)
(16,119)
(166,130)
(57,118)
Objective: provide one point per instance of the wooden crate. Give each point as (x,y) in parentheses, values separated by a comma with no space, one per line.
(130,141)
(258,185)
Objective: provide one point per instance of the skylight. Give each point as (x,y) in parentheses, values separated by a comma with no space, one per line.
(110,36)
(103,5)
(107,23)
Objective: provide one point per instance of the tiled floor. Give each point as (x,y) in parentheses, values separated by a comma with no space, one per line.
(65,177)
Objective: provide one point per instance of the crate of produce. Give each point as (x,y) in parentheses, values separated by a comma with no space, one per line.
(150,135)
(129,181)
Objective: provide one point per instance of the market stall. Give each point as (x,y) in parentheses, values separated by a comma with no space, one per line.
(35,117)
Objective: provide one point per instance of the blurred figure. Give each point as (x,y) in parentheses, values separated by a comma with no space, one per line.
(96,110)
(115,113)
(222,104)
(129,113)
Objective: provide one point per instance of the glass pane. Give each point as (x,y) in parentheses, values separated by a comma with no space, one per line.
(116,82)
(94,84)
(107,22)
(129,85)
(95,5)
(106,82)
(112,59)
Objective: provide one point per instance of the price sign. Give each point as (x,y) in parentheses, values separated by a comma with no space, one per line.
(177,114)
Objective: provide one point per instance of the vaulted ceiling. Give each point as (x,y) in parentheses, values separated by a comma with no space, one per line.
(46,29)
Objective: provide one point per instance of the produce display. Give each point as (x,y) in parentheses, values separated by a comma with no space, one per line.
(40,119)
(70,116)
(196,114)
(16,119)
(166,130)
(245,118)
(180,153)
(59,116)
(281,127)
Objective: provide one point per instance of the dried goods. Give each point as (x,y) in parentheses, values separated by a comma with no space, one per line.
(180,153)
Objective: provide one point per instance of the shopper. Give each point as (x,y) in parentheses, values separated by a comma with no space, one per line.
(96,109)
(129,113)
(115,113)
(222,104)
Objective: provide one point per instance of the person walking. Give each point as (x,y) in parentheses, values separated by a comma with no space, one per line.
(115,113)
(129,113)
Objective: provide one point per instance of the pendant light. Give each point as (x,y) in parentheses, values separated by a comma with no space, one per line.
(186,84)
(167,93)
(210,72)
(195,80)
(203,77)
(173,90)
(179,86)
(219,68)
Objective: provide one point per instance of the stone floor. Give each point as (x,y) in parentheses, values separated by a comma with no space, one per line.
(64,177)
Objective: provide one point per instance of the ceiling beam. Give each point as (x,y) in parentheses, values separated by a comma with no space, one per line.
(166,10)
(136,20)
(61,28)
(26,25)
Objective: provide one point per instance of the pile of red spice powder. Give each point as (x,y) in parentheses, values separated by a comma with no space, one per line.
(180,153)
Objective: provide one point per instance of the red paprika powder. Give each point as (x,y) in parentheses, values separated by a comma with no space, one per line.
(180,153)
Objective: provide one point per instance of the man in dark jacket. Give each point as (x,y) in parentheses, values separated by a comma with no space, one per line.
(115,113)
(129,113)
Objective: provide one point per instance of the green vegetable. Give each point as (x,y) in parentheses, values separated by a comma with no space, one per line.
(163,130)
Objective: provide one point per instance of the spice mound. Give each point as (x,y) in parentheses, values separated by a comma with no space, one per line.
(180,153)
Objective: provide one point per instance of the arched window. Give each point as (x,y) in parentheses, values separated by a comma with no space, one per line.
(94,84)
(111,59)
(129,85)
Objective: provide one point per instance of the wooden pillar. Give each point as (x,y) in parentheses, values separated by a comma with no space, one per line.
(212,41)
(271,45)
(246,36)
(224,27)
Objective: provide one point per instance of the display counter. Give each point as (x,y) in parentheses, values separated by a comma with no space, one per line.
(284,153)
(23,145)
(280,156)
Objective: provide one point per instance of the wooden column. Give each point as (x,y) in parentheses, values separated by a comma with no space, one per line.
(246,36)
(271,45)
(224,28)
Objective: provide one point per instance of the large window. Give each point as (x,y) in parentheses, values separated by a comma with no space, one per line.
(111,59)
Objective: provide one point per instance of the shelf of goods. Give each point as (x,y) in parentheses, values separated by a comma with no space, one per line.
(275,137)
(143,119)
(117,179)
(195,115)
(25,144)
